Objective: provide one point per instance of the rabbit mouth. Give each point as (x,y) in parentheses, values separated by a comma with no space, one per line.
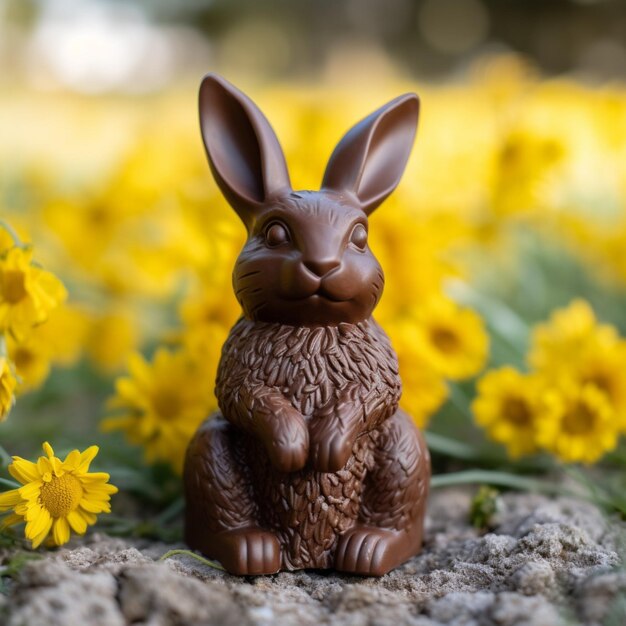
(329,295)
(320,294)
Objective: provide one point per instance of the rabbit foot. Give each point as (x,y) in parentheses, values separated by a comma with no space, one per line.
(249,551)
(368,551)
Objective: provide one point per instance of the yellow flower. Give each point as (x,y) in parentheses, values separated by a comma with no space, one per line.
(27,292)
(10,235)
(507,405)
(521,164)
(64,334)
(161,404)
(216,304)
(423,389)
(7,388)
(31,358)
(573,346)
(577,424)
(452,339)
(56,341)
(604,367)
(56,495)
(570,330)
(111,337)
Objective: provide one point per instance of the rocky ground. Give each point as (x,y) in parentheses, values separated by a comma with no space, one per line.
(544,563)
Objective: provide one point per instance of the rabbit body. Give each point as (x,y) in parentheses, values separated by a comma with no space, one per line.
(310,463)
(312,367)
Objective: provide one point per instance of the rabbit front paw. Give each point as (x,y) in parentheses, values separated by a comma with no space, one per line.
(288,448)
(330,453)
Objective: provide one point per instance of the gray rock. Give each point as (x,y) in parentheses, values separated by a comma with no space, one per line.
(545,562)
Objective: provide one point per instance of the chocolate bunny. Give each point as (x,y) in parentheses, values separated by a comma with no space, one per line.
(310,463)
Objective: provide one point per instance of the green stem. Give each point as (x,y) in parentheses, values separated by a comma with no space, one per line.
(9,483)
(193,555)
(596,493)
(5,457)
(502,479)
(461,403)
(502,318)
(16,239)
(456,449)
(452,447)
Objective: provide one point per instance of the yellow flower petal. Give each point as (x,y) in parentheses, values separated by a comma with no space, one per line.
(57,466)
(23,470)
(60,531)
(93,506)
(21,509)
(10,520)
(90,518)
(33,509)
(38,524)
(94,478)
(100,489)
(87,457)
(9,499)
(31,490)
(77,522)
(72,460)
(36,541)
(44,467)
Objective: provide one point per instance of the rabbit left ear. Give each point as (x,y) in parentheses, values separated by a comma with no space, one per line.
(245,156)
(370,159)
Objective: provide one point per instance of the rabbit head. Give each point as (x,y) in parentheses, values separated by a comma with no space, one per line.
(306,260)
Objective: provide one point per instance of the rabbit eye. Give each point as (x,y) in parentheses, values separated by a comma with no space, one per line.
(359,236)
(276,234)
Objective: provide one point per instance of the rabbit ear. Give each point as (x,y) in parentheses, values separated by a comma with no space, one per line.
(245,156)
(371,157)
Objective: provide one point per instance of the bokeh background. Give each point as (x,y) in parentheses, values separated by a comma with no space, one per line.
(513,207)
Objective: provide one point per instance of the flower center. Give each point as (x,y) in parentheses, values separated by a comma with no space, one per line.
(517,412)
(445,339)
(12,286)
(602,382)
(23,358)
(578,420)
(98,215)
(167,403)
(61,495)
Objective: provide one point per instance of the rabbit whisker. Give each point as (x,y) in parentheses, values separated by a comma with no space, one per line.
(248,274)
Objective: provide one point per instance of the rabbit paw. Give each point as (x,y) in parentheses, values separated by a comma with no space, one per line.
(330,453)
(368,551)
(289,448)
(249,551)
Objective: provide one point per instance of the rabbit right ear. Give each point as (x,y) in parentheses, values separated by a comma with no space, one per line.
(370,159)
(245,157)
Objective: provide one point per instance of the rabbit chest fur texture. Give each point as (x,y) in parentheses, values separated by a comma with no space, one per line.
(315,368)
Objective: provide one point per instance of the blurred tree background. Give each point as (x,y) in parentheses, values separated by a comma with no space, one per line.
(135,45)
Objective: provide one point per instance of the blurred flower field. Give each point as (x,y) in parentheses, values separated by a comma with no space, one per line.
(504,250)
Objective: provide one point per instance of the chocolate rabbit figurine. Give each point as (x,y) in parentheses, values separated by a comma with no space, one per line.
(310,463)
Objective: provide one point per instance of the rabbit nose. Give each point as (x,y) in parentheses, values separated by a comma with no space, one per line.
(321,267)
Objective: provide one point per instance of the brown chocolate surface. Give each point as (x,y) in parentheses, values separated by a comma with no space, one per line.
(310,463)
